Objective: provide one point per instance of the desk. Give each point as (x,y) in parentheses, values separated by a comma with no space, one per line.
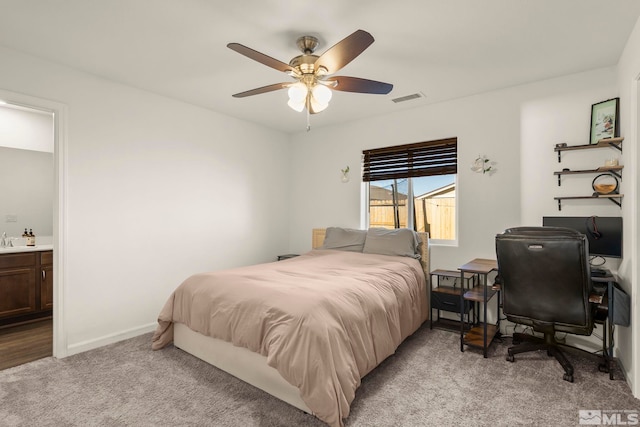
(482,334)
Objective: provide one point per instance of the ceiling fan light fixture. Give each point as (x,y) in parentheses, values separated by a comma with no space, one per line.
(297,92)
(314,74)
(322,94)
(296,105)
(317,106)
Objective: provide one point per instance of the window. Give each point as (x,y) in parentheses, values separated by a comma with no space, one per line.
(413,186)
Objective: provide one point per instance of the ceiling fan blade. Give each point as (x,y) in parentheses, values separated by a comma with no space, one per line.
(355,84)
(263,89)
(344,51)
(260,57)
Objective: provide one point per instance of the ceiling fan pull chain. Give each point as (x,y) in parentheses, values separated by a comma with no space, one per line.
(308,120)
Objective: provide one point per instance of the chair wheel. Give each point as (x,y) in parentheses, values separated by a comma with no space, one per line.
(568,377)
(510,358)
(549,353)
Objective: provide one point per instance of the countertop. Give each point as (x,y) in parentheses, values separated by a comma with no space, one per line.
(43,243)
(17,249)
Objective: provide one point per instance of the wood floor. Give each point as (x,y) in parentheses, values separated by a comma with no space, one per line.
(25,343)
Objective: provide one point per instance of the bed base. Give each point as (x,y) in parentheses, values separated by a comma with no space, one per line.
(252,367)
(244,364)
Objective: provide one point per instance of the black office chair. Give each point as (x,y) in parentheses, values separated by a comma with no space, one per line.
(546,283)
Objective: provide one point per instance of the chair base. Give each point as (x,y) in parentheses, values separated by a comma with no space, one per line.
(549,344)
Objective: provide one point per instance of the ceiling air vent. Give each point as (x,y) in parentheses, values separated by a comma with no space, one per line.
(408,97)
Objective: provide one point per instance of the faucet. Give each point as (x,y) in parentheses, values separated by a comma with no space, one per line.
(6,242)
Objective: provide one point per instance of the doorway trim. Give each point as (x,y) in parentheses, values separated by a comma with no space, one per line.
(60,116)
(634,129)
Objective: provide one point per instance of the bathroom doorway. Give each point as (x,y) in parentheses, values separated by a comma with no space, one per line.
(32,141)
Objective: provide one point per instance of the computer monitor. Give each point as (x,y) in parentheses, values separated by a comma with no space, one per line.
(604,233)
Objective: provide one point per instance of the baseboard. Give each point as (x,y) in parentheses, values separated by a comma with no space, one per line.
(83,346)
(627,377)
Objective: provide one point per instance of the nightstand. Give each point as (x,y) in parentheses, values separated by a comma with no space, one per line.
(447,298)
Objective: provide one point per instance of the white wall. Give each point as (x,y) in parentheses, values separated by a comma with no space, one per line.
(27,130)
(563,115)
(26,171)
(483,125)
(26,191)
(500,125)
(155,190)
(628,77)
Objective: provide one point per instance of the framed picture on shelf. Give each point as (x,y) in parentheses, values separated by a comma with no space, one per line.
(604,120)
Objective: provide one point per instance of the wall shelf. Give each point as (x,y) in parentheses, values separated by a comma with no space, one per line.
(613,170)
(614,198)
(616,171)
(607,142)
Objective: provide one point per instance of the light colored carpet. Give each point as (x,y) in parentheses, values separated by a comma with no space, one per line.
(428,382)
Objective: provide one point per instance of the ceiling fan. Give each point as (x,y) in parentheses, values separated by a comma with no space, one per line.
(313,74)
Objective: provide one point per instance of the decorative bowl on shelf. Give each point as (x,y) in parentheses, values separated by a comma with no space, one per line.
(605,183)
(604,188)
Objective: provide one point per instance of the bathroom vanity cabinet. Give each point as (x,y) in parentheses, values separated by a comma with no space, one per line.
(46,280)
(26,286)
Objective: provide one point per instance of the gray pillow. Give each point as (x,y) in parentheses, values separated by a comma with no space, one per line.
(344,239)
(397,242)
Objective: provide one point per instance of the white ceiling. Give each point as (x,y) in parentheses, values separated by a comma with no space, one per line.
(445,49)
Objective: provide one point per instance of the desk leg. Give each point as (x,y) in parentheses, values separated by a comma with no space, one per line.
(608,328)
(609,323)
(431,299)
(462,311)
(484,320)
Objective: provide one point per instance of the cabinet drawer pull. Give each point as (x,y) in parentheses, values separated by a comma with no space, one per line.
(44,275)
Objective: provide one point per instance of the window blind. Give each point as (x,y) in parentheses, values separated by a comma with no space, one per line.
(428,158)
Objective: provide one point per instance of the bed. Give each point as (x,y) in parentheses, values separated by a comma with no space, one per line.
(307,329)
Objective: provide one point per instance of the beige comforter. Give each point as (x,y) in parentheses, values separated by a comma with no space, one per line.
(323,320)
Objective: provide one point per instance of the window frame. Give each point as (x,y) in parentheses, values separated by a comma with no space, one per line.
(364,200)
(364,215)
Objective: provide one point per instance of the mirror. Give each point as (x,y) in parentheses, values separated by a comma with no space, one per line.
(26,171)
